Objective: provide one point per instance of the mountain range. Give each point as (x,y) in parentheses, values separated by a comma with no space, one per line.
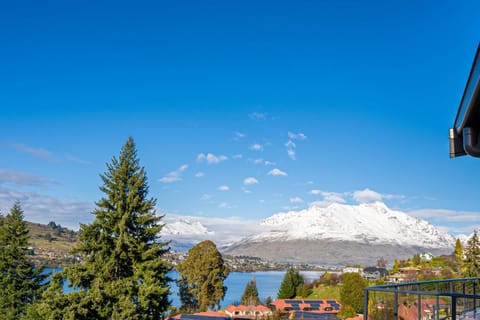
(332,235)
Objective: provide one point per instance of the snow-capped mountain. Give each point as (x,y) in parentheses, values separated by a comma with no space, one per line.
(343,233)
(368,223)
(184,233)
(185,227)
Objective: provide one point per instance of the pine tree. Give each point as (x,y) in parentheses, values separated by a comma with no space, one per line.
(381,263)
(123,275)
(201,277)
(471,263)
(303,290)
(416,260)
(458,250)
(21,283)
(396,266)
(250,294)
(290,283)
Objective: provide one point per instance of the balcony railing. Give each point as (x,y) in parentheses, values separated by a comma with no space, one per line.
(452,299)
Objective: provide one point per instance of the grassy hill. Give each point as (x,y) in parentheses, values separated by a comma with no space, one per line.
(51,244)
(326,292)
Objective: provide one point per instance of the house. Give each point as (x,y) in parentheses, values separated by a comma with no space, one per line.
(426,256)
(207,315)
(252,312)
(428,309)
(352,270)
(308,309)
(409,273)
(374,273)
(466,127)
(395,278)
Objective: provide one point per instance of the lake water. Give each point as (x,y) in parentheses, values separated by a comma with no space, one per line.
(268,283)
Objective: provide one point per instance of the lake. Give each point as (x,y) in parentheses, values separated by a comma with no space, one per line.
(268,283)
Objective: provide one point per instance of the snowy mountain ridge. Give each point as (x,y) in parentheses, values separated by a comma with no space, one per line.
(371,223)
(185,227)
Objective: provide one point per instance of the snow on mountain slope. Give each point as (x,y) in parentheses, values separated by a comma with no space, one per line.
(184,227)
(372,223)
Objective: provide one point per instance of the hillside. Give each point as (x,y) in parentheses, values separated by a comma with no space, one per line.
(51,244)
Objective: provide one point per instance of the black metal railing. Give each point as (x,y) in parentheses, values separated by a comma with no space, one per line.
(452,299)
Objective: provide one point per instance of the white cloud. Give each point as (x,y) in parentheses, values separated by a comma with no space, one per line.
(447,215)
(262,161)
(245,190)
(298,136)
(296,200)
(43,209)
(333,197)
(256,147)
(36,152)
(237,156)
(206,196)
(69,157)
(45,154)
(257,161)
(328,198)
(250,181)
(277,172)
(174,175)
(225,205)
(257,116)
(210,158)
(224,188)
(199,174)
(466,230)
(239,136)
(366,196)
(290,144)
(451,221)
(291,154)
(22,178)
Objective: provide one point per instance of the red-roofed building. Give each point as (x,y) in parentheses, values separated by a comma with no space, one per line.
(319,306)
(206,315)
(427,309)
(211,314)
(248,311)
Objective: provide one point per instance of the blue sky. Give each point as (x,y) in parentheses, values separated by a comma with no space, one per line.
(239,109)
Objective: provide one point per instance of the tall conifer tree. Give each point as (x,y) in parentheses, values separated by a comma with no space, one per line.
(250,294)
(291,281)
(471,263)
(20,282)
(123,275)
